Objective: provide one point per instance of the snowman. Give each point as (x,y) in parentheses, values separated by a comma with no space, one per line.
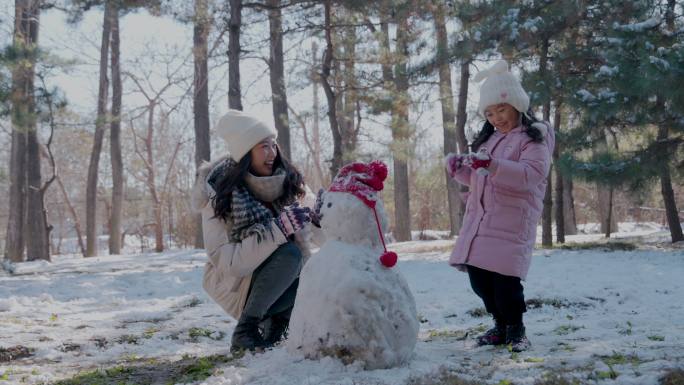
(351,303)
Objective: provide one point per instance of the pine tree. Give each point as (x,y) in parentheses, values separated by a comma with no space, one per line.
(631,60)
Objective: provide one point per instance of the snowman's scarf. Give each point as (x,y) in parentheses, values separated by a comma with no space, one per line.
(250,217)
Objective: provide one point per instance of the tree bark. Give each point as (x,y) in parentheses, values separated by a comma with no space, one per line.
(350,120)
(446,98)
(330,93)
(201,97)
(27,226)
(316,132)
(666,190)
(605,199)
(570,225)
(115,142)
(461,118)
(547,219)
(37,238)
(277,75)
(16,224)
(151,181)
(91,187)
(74,216)
(235,24)
(558,204)
(401,135)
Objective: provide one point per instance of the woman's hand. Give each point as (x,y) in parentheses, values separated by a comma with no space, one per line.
(293,218)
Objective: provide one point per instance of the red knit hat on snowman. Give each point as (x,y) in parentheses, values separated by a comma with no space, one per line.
(365,180)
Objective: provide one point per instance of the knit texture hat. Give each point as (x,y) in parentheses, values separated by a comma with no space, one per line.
(242,131)
(365,180)
(501,86)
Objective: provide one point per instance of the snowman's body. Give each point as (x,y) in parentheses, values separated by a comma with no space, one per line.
(348,305)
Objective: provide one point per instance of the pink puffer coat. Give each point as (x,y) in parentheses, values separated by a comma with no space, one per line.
(503,208)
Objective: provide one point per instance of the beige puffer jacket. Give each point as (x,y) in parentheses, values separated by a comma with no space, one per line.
(228,272)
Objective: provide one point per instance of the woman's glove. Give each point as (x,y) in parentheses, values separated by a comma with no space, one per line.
(293,218)
(453,162)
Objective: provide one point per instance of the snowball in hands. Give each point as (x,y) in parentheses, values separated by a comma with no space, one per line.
(348,305)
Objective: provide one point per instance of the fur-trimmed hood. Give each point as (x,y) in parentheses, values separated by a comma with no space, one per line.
(543,127)
(200,193)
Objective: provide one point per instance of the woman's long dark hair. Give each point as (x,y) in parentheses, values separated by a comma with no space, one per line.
(527,121)
(234,176)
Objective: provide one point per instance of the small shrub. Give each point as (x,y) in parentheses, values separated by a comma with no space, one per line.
(672,377)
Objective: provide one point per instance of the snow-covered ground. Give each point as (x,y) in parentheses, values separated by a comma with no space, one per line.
(592,315)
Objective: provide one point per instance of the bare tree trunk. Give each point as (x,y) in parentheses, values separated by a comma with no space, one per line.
(115,143)
(350,120)
(74,216)
(329,93)
(277,73)
(447,102)
(201,97)
(609,219)
(37,241)
(547,219)
(91,187)
(15,242)
(316,134)
(605,199)
(461,118)
(560,220)
(462,114)
(169,215)
(234,90)
(401,135)
(151,181)
(16,224)
(27,227)
(668,194)
(570,225)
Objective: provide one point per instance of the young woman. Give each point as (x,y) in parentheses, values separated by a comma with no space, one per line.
(252,226)
(507,180)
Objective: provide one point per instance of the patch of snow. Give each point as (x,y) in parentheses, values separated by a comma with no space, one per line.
(639,27)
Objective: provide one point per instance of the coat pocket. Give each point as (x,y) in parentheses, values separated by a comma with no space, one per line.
(508,219)
(505,197)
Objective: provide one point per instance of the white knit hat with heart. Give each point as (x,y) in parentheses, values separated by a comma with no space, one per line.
(242,131)
(501,86)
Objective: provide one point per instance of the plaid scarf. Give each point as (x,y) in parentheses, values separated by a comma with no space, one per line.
(250,217)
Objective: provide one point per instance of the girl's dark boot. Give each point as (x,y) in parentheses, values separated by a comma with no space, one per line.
(493,336)
(515,336)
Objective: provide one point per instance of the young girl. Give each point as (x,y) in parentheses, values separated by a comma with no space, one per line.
(507,180)
(250,216)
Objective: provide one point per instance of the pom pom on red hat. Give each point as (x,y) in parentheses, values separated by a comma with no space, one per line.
(388,258)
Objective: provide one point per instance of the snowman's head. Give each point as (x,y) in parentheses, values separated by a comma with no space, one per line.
(346,218)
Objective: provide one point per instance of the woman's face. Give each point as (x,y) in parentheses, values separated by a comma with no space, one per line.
(263,155)
(503,116)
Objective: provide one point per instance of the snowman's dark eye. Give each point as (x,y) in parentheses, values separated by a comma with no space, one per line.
(329,204)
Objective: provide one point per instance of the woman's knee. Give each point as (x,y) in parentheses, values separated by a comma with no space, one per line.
(288,254)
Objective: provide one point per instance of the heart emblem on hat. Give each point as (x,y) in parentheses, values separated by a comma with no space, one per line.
(504,95)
